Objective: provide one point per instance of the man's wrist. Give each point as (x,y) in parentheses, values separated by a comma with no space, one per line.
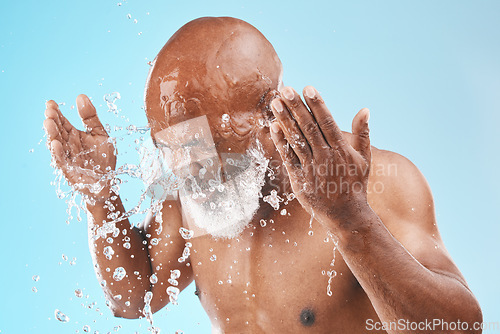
(353,220)
(108,201)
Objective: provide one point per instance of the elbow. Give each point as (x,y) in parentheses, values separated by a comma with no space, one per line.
(130,311)
(476,318)
(471,319)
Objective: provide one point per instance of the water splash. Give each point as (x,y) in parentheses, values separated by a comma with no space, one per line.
(79,293)
(61,316)
(185,233)
(174,275)
(119,274)
(332,272)
(273,199)
(110,100)
(108,252)
(173,294)
(148,313)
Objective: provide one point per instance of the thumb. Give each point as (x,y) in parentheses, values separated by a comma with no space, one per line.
(361,133)
(88,115)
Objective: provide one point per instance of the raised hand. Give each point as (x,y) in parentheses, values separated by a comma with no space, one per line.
(328,175)
(85,158)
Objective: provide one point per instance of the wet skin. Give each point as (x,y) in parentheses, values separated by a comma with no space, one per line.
(391,262)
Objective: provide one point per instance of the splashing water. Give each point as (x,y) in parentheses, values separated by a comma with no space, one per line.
(332,272)
(185,233)
(110,100)
(108,252)
(185,253)
(119,274)
(174,275)
(273,199)
(61,316)
(158,181)
(148,313)
(173,294)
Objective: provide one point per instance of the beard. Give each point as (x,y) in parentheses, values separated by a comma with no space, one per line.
(225,209)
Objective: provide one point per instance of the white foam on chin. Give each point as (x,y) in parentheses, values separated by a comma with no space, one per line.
(226,212)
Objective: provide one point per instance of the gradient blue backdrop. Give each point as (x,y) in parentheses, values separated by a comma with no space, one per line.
(428,70)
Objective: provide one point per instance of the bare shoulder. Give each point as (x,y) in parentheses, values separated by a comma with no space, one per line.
(396,187)
(400,195)
(399,191)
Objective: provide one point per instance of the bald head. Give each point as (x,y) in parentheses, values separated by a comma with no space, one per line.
(214,66)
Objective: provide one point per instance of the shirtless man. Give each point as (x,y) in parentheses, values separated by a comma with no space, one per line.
(272,276)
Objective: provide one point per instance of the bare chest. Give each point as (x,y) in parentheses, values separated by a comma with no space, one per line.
(281,276)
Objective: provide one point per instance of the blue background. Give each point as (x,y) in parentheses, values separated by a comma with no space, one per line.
(428,70)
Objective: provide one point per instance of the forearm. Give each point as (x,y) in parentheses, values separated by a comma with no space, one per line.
(120,257)
(398,286)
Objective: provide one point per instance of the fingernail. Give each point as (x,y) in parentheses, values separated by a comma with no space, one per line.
(275,127)
(310,92)
(276,104)
(287,93)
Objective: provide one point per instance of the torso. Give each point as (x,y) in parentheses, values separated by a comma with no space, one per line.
(273,279)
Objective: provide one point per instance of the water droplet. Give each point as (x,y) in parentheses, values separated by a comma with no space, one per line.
(175,274)
(153,279)
(79,293)
(64,257)
(35,278)
(31,150)
(185,233)
(173,294)
(213,257)
(119,274)
(129,16)
(61,316)
(273,199)
(126,245)
(108,252)
(310,232)
(34,289)
(86,328)
(225,117)
(263,223)
(283,212)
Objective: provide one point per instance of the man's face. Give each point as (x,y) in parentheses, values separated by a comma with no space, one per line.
(221,189)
